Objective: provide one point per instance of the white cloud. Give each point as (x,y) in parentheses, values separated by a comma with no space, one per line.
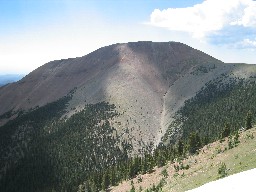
(246,43)
(207,18)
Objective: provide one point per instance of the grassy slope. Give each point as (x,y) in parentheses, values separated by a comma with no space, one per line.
(203,167)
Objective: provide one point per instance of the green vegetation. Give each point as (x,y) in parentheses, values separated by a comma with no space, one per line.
(222,107)
(210,162)
(24,162)
(40,151)
(43,152)
(132,167)
(164,173)
(222,170)
(158,187)
(207,165)
(194,142)
(248,120)
(133,188)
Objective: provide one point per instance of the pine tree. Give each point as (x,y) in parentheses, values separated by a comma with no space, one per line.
(226,131)
(105,181)
(113,176)
(133,188)
(160,160)
(144,165)
(180,147)
(236,139)
(248,120)
(194,142)
(222,170)
(92,187)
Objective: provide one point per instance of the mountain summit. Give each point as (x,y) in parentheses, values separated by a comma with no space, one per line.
(134,76)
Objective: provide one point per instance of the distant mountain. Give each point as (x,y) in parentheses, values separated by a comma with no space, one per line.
(10,78)
(79,119)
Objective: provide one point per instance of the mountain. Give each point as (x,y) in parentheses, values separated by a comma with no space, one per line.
(135,77)
(9,78)
(78,120)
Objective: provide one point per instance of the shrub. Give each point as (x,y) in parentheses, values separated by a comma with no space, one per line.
(222,171)
(164,173)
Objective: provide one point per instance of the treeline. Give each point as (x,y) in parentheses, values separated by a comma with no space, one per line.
(130,168)
(218,105)
(24,166)
(82,153)
(112,176)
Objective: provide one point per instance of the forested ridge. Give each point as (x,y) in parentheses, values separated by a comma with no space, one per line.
(24,162)
(223,103)
(41,152)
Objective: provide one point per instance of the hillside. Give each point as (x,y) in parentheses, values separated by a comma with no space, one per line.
(92,122)
(224,101)
(202,168)
(135,77)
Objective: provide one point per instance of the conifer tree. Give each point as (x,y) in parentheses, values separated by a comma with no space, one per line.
(194,142)
(236,139)
(226,131)
(105,181)
(180,147)
(133,188)
(248,120)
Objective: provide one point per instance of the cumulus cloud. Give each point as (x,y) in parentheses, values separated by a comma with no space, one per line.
(246,44)
(208,18)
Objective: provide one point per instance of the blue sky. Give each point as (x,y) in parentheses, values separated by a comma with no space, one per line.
(34,32)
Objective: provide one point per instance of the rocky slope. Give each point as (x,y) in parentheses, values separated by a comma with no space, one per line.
(141,79)
(148,82)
